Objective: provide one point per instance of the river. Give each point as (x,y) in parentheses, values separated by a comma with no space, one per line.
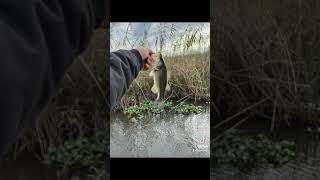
(164,135)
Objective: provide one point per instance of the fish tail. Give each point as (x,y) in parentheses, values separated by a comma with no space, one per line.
(154,89)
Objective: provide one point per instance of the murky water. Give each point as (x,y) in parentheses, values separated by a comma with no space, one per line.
(305,167)
(165,135)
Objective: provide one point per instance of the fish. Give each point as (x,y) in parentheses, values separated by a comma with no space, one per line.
(160,79)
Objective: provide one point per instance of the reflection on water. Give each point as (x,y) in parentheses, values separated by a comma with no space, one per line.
(26,168)
(165,135)
(305,167)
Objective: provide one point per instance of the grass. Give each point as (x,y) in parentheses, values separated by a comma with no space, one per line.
(76,114)
(189,79)
(266,63)
(266,50)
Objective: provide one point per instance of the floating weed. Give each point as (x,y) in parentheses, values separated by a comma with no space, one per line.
(138,111)
(168,104)
(238,150)
(188,108)
(144,107)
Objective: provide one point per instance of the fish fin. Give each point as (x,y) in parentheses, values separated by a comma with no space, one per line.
(168,75)
(158,97)
(154,89)
(151,73)
(168,88)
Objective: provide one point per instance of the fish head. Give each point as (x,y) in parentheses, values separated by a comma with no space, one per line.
(161,58)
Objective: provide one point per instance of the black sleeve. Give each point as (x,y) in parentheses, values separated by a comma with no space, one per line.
(39,39)
(124,68)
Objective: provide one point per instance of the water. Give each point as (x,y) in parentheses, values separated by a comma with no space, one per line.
(165,135)
(305,167)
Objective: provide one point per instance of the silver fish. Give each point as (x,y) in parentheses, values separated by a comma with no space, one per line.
(160,80)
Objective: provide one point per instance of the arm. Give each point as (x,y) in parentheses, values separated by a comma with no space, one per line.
(38,42)
(124,68)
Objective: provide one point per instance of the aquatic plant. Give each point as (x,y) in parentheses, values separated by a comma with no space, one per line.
(79,155)
(188,108)
(139,110)
(142,108)
(238,150)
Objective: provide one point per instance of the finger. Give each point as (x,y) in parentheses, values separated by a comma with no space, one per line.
(147,56)
(145,60)
(149,60)
(152,61)
(154,57)
(146,66)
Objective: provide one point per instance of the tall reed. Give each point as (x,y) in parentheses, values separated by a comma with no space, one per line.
(266,49)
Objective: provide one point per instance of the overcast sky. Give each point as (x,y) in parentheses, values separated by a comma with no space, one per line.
(136,31)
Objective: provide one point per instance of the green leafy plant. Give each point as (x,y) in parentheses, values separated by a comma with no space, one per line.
(238,150)
(189,108)
(79,154)
(138,111)
(142,108)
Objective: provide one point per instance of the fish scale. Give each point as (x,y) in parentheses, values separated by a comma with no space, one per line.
(160,79)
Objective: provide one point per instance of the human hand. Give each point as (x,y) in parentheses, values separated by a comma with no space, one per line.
(147,57)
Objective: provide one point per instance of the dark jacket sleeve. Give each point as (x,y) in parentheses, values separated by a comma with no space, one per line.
(125,66)
(39,39)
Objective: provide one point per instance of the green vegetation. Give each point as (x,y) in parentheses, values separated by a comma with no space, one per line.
(141,109)
(188,108)
(241,150)
(266,50)
(189,70)
(267,60)
(79,155)
(189,78)
(149,106)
